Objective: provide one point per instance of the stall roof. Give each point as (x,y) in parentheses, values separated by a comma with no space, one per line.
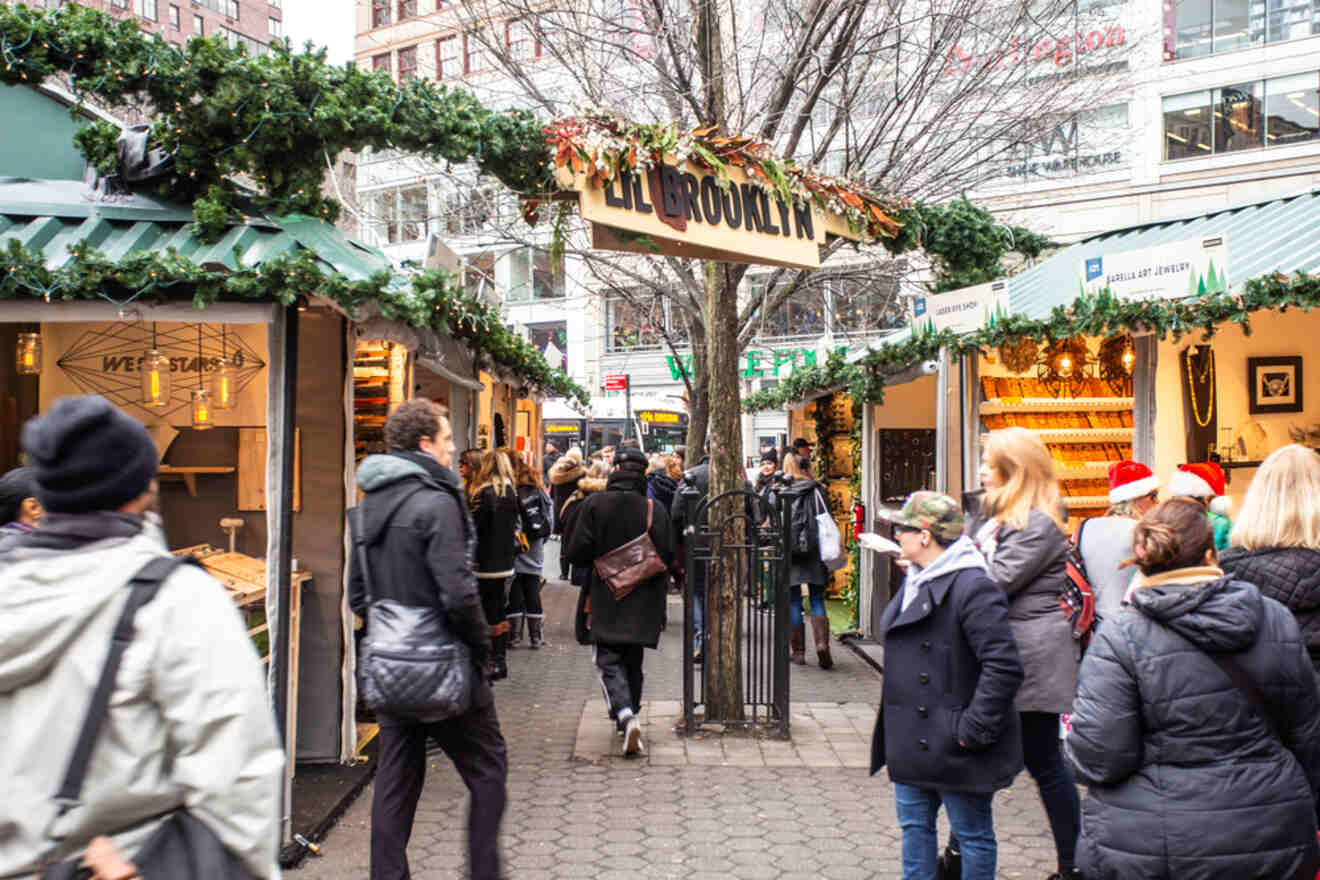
(1280,235)
(50,215)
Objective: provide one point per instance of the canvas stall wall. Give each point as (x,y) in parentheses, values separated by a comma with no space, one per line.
(317,527)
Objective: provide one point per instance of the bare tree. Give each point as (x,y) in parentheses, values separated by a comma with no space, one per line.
(919,100)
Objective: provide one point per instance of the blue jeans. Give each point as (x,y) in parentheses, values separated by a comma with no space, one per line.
(815,594)
(698,618)
(970,818)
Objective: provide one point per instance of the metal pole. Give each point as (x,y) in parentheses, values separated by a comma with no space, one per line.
(627,403)
(284,528)
(942,424)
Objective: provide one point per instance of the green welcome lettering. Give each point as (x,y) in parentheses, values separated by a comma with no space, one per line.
(678,371)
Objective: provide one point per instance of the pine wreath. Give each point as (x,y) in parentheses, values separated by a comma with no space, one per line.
(1019,354)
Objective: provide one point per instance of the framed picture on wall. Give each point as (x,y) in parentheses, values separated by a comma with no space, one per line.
(1275,384)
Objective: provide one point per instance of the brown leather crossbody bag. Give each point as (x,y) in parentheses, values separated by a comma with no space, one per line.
(628,565)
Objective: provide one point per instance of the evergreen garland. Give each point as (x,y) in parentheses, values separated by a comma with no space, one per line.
(434,298)
(1101,314)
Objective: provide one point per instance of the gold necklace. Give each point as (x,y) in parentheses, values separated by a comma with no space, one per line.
(1191,389)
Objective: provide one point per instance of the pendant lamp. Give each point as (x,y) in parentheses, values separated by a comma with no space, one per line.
(155,373)
(203,411)
(27,354)
(224,379)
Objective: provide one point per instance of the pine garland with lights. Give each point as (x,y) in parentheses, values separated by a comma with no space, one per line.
(1101,314)
(434,298)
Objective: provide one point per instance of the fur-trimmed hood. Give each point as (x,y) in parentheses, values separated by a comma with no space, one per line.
(593,484)
(566,470)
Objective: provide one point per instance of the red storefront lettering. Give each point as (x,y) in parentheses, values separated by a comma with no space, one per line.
(1061,51)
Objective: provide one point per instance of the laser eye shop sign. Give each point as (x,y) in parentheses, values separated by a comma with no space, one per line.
(681,211)
(1188,268)
(962,311)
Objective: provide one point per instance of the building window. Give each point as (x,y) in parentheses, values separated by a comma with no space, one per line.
(532,277)
(1292,110)
(549,339)
(228,8)
(407,9)
(468,212)
(803,314)
(398,215)
(635,323)
(148,9)
(865,304)
(381,62)
(199,26)
(474,57)
(275,4)
(276,27)
(1193,28)
(520,40)
(234,40)
(447,62)
(408,63)
(175,23)
(380,13)
(1246,116)
(119,4)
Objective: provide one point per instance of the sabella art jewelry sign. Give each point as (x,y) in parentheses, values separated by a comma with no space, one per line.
(680,211)
(1188,268)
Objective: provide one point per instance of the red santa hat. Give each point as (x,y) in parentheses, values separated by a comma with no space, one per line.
(1203,479)
(1130,480)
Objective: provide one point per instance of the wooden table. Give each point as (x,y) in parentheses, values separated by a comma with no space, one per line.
(245,578)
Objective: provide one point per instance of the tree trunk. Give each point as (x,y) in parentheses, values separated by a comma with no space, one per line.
(699,399)
(724,692)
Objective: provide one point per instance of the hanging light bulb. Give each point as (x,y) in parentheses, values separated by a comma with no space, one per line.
(155,373)
(27,354)
(202,410)
(224,378)
(1063,364)
(1129,358)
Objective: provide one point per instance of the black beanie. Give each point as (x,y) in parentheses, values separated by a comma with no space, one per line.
(16,487)
(88,456)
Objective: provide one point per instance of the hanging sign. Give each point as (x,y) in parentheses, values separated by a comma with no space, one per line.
(962,311)
(1179,269)
(616,382)
(679,210)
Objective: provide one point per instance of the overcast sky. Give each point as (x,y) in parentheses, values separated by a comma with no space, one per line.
(324,22)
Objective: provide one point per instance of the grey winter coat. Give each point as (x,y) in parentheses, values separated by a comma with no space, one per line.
(1029,566)
(1186,779)
(532,560)
(1106,543)
(189,723)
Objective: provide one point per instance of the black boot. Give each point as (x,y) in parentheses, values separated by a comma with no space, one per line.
(499,667)
(535,631)
(949,865)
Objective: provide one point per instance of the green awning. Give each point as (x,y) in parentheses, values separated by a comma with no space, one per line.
(47,216)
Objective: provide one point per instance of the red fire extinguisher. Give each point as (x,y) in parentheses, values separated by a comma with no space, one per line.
(859,520)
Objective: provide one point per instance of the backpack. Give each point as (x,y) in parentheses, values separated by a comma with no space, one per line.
(536,516)
(1077,601)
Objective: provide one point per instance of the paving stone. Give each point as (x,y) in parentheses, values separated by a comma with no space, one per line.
(579,810)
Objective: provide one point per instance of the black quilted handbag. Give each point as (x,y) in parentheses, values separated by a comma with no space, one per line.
(409,663)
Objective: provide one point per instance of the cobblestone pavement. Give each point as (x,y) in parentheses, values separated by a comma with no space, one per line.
(609,819)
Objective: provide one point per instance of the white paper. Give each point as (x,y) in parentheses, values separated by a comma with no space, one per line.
(878,543)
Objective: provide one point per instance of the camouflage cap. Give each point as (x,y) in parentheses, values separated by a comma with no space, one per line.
(936,513)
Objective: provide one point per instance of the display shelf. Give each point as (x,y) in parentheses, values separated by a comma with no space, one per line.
(1234,465)
(1086,501)
(1086,470)
(998,405)
(1083,435)
(190,474)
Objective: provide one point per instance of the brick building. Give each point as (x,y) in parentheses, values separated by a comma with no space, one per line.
(253,23)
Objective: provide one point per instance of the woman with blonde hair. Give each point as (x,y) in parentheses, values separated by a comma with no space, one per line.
(493,498)
(1020,532)
(1275,543)
(1196,727)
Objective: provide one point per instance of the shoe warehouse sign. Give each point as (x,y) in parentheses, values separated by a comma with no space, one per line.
(678,211)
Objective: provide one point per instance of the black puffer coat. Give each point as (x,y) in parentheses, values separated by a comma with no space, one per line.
(1186,779)
(497,519)
(1290,575)
(604,521)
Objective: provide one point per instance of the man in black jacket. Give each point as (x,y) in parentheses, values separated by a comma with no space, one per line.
(419,542)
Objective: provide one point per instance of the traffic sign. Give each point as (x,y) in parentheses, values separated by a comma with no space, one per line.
(616,382)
